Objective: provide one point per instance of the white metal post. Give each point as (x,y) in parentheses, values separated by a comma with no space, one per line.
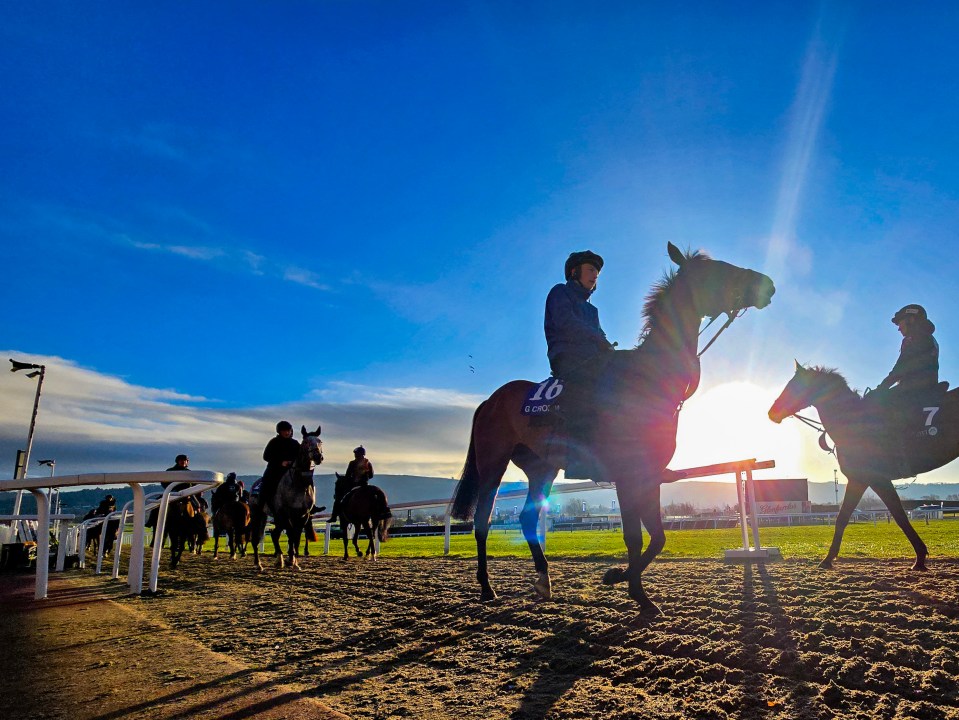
(43,542)
(62,539)
(740,495)
(448,523)
(135,570)
(158,537)
(753,509)
(327,534)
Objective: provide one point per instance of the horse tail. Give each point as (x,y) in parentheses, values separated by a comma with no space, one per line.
(466,494)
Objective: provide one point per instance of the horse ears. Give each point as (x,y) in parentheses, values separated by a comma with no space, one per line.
(798,366)
(675,255)
(317,433)
(303,431)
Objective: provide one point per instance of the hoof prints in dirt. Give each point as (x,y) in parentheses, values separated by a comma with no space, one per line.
(405,638)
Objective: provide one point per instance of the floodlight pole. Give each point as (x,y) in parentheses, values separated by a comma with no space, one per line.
(33,424)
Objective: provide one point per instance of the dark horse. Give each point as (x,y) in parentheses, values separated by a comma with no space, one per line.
(856,426)
(638,396)
(231,520)
(365,508)
(292,503)
(180,526)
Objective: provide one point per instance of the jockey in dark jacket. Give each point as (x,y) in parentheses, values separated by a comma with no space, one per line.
(917,368)
(577,349)
(573,333)
(280,454)
(358,472)
(910,382)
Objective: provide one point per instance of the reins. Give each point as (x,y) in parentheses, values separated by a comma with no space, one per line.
(818,427)
(729,321)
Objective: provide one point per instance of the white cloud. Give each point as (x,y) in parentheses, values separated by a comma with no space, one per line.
(92,422)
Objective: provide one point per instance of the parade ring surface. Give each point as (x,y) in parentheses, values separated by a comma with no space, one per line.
(408,638)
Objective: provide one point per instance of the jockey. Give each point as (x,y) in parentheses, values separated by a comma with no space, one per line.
(911,380)
(181,464)
(360,469)
(280,454)
(577,347)
(228,492)
(917,368)
(358,472)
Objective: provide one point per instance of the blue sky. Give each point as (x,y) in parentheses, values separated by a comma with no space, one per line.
(213,217)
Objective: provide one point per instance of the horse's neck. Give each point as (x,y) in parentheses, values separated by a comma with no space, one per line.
(838,408)
(672,341)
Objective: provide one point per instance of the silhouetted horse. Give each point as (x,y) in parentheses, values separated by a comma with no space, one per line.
(639,395)
(365,508)
(93,536)
(180,526)
(863,449)
(292,503)
(199,531)
(231,520)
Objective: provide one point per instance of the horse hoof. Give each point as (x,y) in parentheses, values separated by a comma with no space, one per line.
(649,609)
(919,565)
(487,594)
(614,576)
(826,564)
(543,586)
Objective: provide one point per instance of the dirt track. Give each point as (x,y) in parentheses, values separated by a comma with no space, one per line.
(407,638)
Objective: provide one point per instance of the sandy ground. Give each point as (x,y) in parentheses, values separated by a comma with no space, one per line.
(408,638)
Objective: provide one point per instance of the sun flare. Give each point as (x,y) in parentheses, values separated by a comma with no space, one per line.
(729,422)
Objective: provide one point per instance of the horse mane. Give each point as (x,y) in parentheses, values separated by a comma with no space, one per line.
(658,294)
(831,376)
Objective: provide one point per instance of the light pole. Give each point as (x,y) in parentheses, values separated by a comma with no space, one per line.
(38,371)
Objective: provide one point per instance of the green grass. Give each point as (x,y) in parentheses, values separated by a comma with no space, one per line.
(882,540)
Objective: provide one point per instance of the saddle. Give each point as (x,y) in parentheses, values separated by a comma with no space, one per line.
(569,410)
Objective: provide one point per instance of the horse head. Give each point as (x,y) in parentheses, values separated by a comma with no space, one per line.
(722,288)
(807,387)
(312,446)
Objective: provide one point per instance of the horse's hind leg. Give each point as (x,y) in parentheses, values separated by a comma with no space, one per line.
(216,544)
(887,493)
(854,493)
(481,524)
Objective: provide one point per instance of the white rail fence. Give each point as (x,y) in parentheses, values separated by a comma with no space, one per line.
(198,480)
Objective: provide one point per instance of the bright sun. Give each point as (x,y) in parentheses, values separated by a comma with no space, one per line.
(729,422)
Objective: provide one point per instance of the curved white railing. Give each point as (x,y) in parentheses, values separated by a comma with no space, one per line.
(200,481)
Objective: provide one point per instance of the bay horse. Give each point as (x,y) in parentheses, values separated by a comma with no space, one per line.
(366,508)
(292,503)
(862,447)
(232,520)
(638,398)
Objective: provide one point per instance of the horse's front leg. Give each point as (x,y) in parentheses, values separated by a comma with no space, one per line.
(356,540)
(293,538)
(854,492)
(638,506)
(529,521)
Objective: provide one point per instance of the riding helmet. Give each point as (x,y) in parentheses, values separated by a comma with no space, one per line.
(283,425)
(359,451)
(917,312)
(578,258)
